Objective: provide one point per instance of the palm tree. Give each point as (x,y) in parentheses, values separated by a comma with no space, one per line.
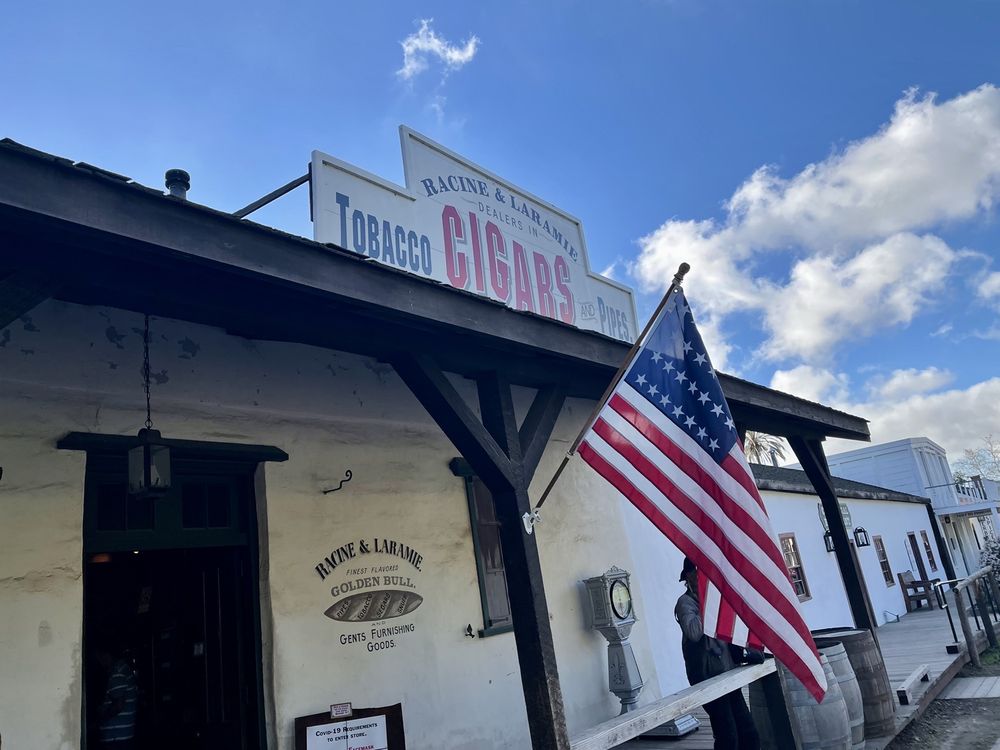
(763,448)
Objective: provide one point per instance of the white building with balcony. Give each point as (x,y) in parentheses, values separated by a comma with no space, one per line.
(919,466)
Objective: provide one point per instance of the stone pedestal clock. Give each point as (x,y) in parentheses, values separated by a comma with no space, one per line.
(613,613)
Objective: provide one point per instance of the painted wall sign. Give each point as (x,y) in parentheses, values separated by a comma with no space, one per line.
(369,729)
(367,590)
(461,225)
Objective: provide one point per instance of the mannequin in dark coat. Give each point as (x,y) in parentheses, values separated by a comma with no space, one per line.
(705,657)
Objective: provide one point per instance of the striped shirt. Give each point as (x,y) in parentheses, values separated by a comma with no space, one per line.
(121,686)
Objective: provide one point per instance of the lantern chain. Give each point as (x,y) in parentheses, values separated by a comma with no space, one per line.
(145,371)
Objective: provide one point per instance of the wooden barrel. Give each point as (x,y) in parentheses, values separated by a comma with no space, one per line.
(819,726)
(841,666)
(876,692)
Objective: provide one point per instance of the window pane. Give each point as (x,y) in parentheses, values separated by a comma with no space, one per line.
(484,501)
(140,512)
(111,507)
(489,563)
(193,511)
(883,561)
(790,552)
(217,502)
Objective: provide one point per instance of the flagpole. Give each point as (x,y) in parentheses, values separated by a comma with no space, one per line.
(530,518)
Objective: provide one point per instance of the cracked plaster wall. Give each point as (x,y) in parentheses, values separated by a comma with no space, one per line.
(331,412)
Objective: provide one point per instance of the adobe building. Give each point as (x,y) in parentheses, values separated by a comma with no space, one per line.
(355,425)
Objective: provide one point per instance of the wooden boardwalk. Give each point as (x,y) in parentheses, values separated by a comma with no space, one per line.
(920,637)
(972,687)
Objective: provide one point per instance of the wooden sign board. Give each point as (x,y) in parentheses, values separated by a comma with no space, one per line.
(379,728)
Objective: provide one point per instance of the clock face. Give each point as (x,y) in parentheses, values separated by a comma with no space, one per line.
(621,599)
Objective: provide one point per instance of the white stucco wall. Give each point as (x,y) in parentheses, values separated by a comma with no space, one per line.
(658,564)
(828,607)
(69,368)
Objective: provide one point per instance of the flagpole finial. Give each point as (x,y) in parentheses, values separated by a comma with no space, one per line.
(682,270)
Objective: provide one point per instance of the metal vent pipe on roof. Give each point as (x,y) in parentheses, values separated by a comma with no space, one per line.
(178,182)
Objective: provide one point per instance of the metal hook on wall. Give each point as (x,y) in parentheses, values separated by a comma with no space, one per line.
(345,480)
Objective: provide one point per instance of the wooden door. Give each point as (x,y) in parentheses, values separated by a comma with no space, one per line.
(917,557)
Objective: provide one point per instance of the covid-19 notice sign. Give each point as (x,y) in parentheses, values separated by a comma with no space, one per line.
(365,729)
(458,224)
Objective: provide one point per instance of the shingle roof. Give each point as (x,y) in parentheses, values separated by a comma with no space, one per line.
(780,479)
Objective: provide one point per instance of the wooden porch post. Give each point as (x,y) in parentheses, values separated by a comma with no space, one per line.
(809,451)
(943,552)
(505,458)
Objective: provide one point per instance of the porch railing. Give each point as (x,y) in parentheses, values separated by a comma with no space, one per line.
(983,608)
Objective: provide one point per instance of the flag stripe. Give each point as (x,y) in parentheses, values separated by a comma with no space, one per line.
(791,655)
(633,406)
(692,499)
(712,601)
(726,623)
(728,503)
(667,441)
(682,511)
(735,465)
(741,633)
(729,481)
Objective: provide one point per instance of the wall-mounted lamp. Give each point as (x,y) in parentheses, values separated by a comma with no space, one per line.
(861,537)
(828,541)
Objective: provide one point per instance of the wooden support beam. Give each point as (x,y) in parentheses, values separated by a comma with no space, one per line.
(813,461)
(22,291)
(493,448)
(433,389)
(784,731)
(538,424)
(532,630)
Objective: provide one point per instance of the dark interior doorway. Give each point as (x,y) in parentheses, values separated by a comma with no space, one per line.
(171,601)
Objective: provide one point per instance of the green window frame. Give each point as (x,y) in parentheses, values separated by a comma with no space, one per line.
(793,562)
(490,570)
(883,560)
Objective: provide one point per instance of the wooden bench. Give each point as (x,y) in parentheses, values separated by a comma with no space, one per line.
(905,689)
(915,591)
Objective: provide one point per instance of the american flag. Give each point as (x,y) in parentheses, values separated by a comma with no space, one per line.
(666,440)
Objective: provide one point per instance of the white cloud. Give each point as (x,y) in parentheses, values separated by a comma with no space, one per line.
(827,299)
(851,229)
(716,343)
(424,45)
(932,162)
(955,419)
(902,384)
(813,384)
(989,288)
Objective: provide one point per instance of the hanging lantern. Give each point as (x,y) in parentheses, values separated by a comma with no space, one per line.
(828,541)
(861,537)
(149,461)
(149,465)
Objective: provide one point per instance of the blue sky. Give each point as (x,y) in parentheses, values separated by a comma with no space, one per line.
(865,281)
